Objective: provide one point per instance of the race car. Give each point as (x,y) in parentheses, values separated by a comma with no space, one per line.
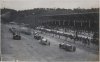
(44,42)
(17,36)
(38,37)
(67,47)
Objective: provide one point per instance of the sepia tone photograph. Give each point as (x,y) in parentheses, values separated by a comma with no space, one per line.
(49,31)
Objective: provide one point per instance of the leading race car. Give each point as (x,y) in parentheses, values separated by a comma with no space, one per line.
(67,47)
(17,36)
(38,37)
(44,42)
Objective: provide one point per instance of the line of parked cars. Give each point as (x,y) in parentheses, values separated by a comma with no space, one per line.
(64,46)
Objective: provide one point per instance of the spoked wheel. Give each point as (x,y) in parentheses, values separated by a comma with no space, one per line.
(74,49)
(60,45)
(49,44)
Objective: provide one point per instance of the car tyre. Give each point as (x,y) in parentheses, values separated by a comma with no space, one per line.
(49,43)
(60,46)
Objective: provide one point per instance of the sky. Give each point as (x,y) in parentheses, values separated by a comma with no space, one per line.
(30,4)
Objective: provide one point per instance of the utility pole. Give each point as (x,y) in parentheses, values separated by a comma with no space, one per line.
(81,23)
(59,22)
(63,22)
(55,22)
(89,24)
(74,22)
(68,22)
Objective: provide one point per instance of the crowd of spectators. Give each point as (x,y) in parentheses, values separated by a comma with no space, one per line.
(84,37)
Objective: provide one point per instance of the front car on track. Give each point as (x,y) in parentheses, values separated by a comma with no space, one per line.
(44,42)
(67,47)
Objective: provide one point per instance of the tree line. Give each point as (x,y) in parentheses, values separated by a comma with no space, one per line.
(12,14)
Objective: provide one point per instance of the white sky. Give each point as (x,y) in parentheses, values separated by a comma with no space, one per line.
(30,4)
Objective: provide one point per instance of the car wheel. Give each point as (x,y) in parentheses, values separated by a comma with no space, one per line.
(74,49)
(49,43)
(20,37)
(60,45)
(13,38)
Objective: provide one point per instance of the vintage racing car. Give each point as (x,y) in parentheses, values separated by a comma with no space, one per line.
(44,42)
(38,37)
(67,47)
(16,36)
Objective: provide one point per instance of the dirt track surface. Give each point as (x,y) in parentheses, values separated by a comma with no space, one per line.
(29,49)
